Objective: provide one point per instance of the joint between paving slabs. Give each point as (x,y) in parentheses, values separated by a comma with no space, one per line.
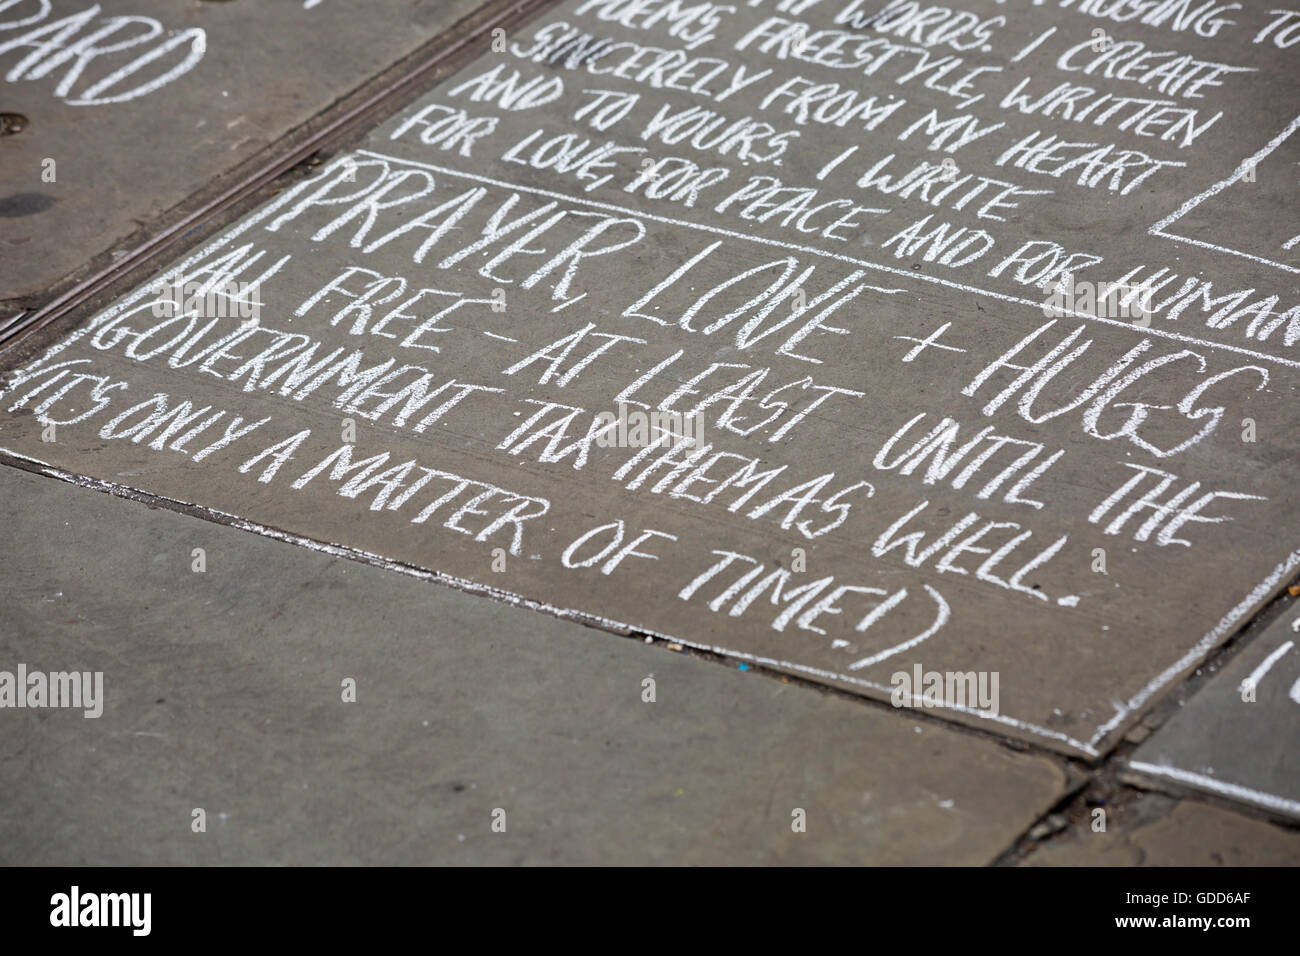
(666,642)
(1126,799)
(1108,783)
(1090,782)
(1100,782)
(237,191)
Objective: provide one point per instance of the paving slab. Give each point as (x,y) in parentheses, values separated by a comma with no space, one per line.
(1239,736)
(864,252)
(161,98)
(1161,832)
(223,691)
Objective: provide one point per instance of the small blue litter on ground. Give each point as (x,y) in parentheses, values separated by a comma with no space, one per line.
(743,667)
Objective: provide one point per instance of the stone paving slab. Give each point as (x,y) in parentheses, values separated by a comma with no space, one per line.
(203,87)
(1159,832)
(222,691)
(928,447)
(1239,736)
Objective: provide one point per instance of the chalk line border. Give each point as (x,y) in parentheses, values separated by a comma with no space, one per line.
(1249,162)
(1221,787)
(469,585)
(1090,747)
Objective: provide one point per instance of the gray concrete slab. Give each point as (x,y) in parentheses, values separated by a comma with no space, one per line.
(222,691)
(1157,831)
(913,459)
(1239,736)
(203,87)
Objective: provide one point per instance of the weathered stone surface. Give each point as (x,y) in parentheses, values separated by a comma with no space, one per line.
(1159,832)
(1239,736)
(1081,501)
(87,171)
(222,691)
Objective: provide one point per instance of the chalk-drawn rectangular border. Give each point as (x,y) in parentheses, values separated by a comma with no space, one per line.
(1194,655)
(1223,788)
(1250,162)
